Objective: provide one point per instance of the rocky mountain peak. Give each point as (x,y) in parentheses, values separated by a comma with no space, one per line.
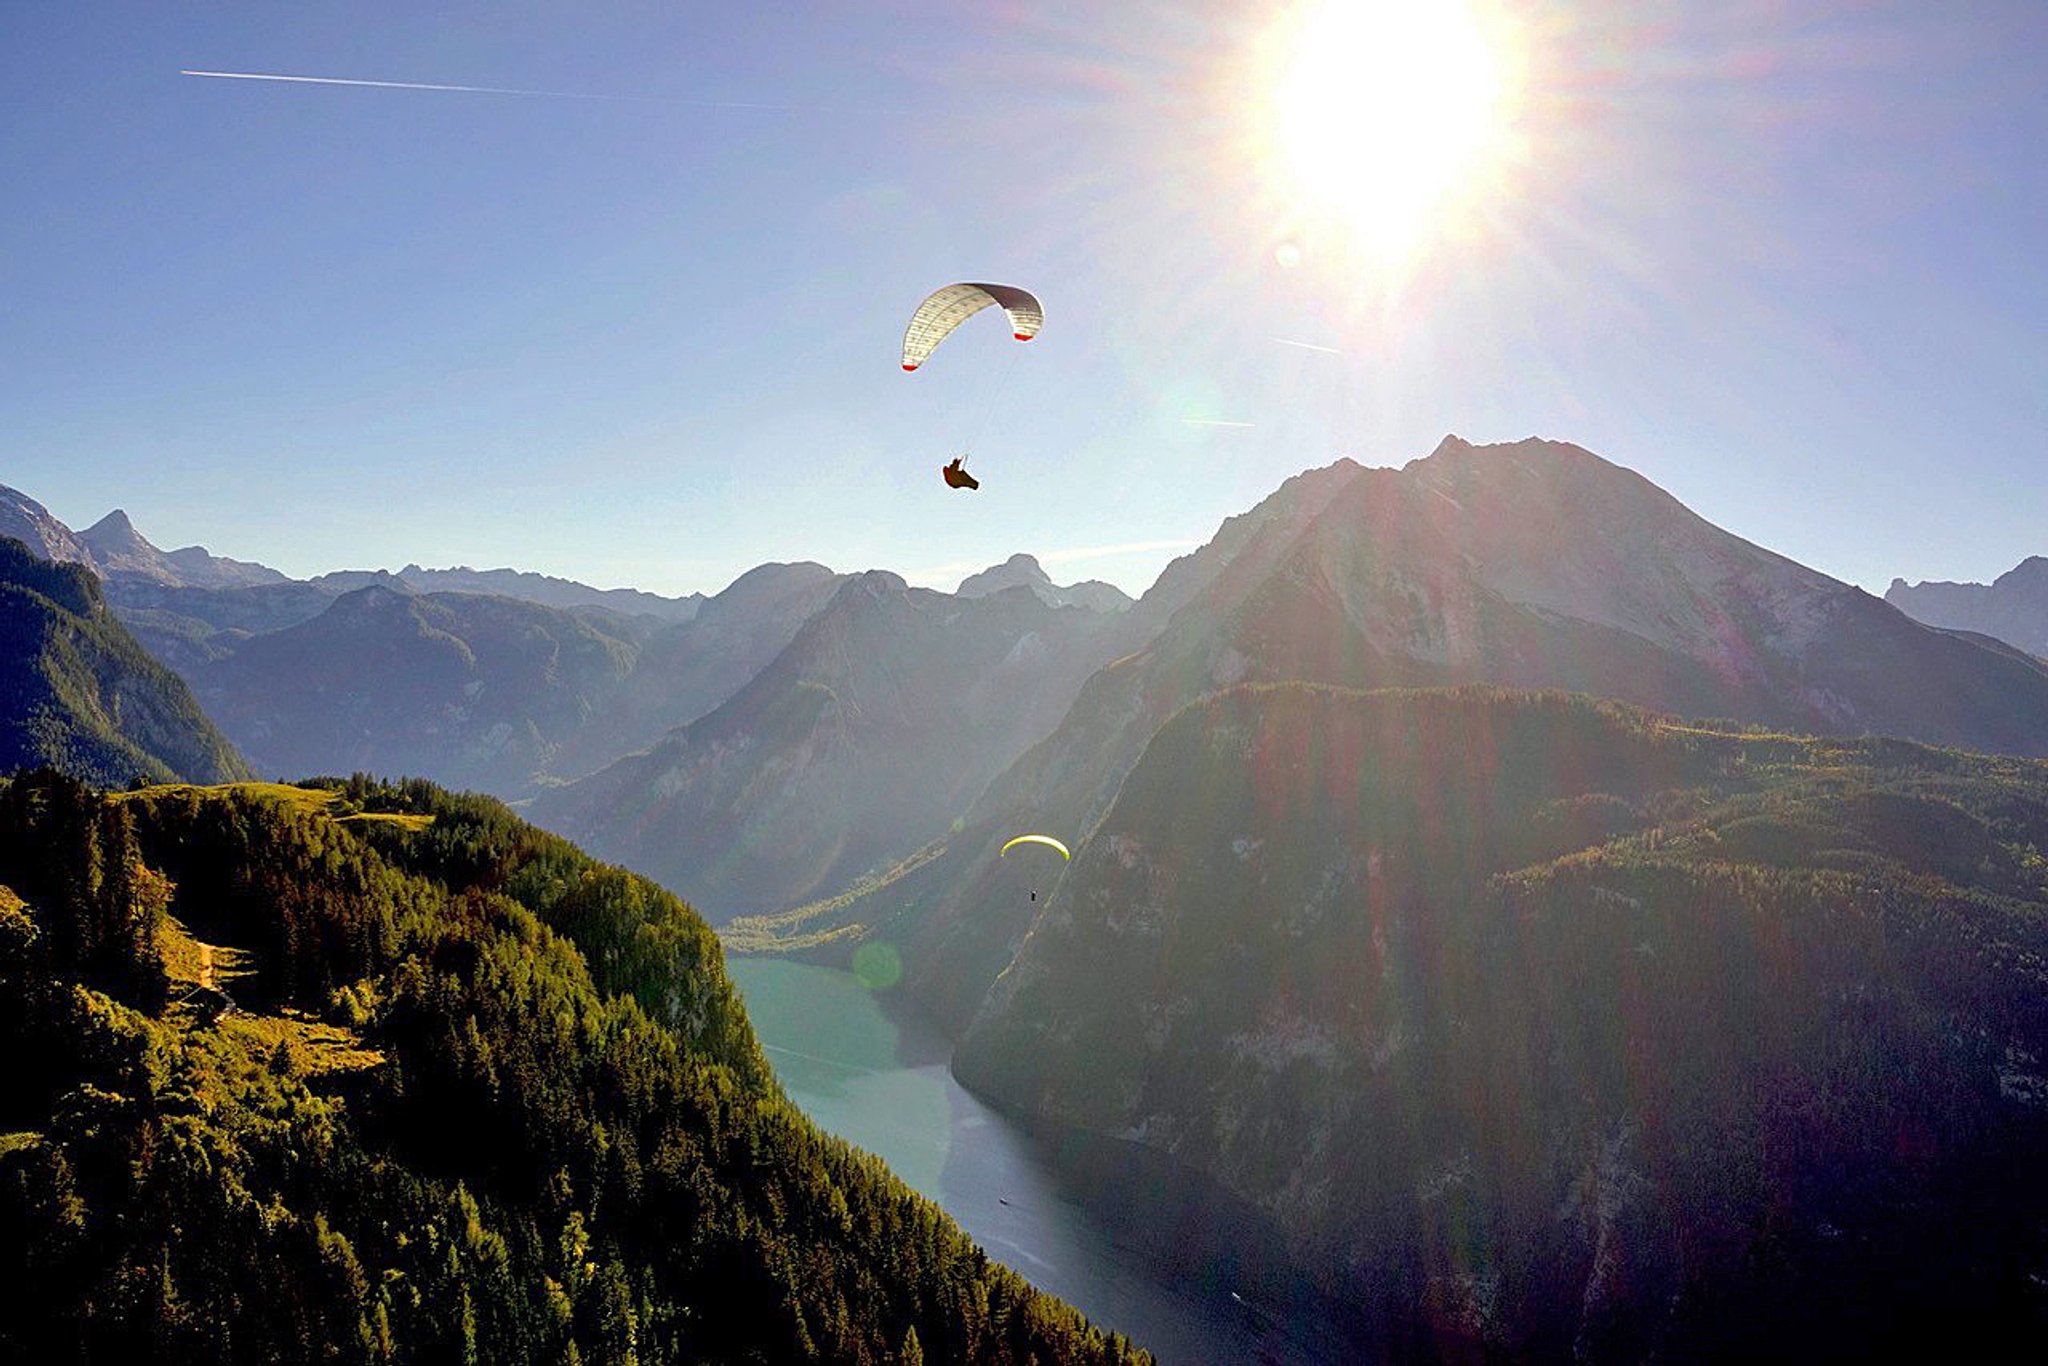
(1024,571)
(2012,608)
(29,522)
(123,552)
(118,548)
(1019,569)
(115,525)
(2030,574)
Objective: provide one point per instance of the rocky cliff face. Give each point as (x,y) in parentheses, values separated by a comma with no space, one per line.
(27,521)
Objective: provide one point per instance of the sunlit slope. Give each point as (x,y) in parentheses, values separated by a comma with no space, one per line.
(79,693)
(878,726)
(1555,1026)
(379,1073)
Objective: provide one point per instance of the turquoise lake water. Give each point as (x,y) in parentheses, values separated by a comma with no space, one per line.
(878,1077)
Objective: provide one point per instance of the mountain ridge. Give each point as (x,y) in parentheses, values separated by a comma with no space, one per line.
(1527,564)
(2012,608)
(884,715)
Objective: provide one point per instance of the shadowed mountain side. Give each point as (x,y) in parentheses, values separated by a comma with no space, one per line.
(880,723)
(1535,564)
(689,668)
(79,693)
(570,712)
(2013,607)
(1758,1021)
(470,691)
(186,627)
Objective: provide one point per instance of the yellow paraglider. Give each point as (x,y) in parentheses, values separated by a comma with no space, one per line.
(1037,839)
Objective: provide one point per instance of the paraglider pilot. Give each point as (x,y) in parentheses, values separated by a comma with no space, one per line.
(957,477)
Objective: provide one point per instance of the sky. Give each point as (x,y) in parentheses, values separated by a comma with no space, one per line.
(1784,259)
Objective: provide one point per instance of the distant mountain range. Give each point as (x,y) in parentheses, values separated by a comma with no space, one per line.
(2013,607)
(79,693)
(496,680)
(1024,571)
(126,560)
(119,551)
(512,583)
(880,722)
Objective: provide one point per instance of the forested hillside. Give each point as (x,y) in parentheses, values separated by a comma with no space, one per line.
(1551,1027)
(372,1073)
(78,692)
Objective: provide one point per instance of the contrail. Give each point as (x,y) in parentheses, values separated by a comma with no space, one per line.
(1214,422)
(1309,346)
(491,90)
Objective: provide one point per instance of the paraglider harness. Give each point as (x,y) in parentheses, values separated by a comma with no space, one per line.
(957,477)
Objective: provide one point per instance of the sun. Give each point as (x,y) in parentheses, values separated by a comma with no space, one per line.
(1382,113)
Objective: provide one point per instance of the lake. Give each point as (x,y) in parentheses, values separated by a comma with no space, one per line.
(1137,1248)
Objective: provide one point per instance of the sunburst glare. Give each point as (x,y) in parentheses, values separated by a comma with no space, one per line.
(1381,115)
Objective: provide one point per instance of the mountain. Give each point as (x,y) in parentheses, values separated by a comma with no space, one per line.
(1554,1028)
(512,583)
(466,690)
(79,693)
(27,521)
(881,721)
(383,1074)
(186,627)
(497,693)
(690,667)
(1532,564)
(2012,608)
(120,551)
(1022,570)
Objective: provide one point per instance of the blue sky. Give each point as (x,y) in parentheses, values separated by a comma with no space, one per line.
(1784,259)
